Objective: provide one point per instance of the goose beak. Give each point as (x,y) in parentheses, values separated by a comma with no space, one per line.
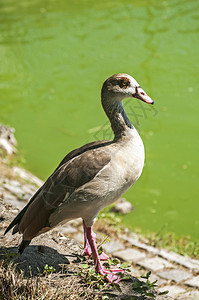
(140,94)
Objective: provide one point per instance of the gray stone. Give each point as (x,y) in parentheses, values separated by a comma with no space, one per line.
(66,229)
(7,139)
(132,255)
(16,190)
(155,264)
(122,206)
(187,262)
(159,281)
(112,246)
(135,242)
(192,295)
(16,203)
(27,176)
(136,272)
(175,275)
(193,282)
(13,182)
(79,237)
(7,196)
(195,261)
(29,189)
(26,197)
(174,290)
(12,199)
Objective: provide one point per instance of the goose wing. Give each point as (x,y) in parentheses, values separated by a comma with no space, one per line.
(74,153)
(63,182)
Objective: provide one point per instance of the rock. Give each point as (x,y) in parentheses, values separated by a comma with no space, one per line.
(175,275)
(66,229)
(79,237)
(132,255)
(112,246)
(136,272)
(122,206)
(137,243)
(173,290)
(193,282)
(7,139)
(16,203)
(27,176)
(29,189)
(16,190)
(187,262)
(159,281)
(192,295)
(155,264)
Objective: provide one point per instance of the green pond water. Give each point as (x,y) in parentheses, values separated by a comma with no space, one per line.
(54,57)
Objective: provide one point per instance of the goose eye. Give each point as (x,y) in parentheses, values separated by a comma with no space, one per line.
(124,83)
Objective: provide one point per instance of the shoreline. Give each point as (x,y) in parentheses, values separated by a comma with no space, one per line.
(176,273)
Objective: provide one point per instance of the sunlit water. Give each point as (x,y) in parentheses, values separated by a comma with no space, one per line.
(54,56)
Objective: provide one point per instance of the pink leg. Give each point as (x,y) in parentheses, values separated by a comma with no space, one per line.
(87,249)
(112,274)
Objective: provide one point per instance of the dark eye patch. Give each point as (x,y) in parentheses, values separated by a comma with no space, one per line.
(124,82)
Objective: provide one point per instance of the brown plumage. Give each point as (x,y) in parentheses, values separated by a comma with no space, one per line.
(91,177)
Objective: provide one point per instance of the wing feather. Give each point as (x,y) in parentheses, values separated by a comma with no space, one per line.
(63,182)
(74,153)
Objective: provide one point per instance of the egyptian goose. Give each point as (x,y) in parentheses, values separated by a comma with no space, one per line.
(91,177)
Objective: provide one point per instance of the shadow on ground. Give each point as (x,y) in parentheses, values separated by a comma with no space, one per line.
(35,258)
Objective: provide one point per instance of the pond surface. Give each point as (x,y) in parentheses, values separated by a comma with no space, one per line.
(55,54)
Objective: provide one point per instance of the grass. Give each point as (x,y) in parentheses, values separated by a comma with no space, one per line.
(180,244)
(111,224)
(49,285)
(75,281)
(83,284)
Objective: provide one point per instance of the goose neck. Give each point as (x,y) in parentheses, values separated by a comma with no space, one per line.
(118,118)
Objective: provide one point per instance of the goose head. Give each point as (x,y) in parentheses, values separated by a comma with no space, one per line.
(120,86)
